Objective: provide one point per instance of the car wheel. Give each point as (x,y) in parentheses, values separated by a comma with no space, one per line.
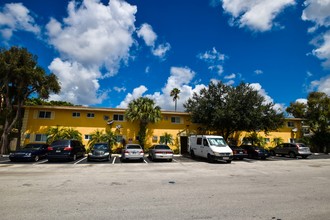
(272,153)
(209,158)
(304,157)
(292,154)
(36,158)
(192,154)
(228,161)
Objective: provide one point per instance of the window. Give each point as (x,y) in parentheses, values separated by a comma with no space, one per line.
(290,124)
(90,115)
(199,141)
(119,138)
(117,117)
(41,138)
(176,120)
(106,117)
(76,114)
(267,140)
(88,136)
(44,114)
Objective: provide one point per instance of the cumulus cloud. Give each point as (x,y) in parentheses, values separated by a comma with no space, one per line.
(277,106)
(302,100)
(180,77)
(16,17)
(258,72)
(322,85)
(93,36)
(214,59)
(257,15)
(149,36)
(317,12)
(231,76)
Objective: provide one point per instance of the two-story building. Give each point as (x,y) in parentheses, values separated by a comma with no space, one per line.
(37,119)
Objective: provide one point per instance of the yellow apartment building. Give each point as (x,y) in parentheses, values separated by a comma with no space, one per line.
(37,119)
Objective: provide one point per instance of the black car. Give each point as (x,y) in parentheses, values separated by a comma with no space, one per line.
(99,152)
(65,150)
(256,152)
(239,153)
(31,152)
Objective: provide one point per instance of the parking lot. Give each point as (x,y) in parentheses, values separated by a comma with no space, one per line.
(278,188)
(115,159)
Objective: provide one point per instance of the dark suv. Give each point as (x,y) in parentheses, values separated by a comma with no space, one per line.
(65,150)
(292,149)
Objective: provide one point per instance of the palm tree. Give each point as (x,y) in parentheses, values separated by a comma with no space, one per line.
(96,137)
(70,133)
(144,111)
(57,133)
(167,138)
(175,93)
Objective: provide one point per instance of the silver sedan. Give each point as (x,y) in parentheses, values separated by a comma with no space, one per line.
(161,151)
(132,152)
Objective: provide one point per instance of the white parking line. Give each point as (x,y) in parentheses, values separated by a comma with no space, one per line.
(40,162)
(114,159)
(145,161)
(80,160)
(175,160)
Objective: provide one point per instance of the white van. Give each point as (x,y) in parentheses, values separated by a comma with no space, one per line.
(211,147)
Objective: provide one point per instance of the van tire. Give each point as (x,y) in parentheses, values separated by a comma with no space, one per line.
(209,158)
(192,154)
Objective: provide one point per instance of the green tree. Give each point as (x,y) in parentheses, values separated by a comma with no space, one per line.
(20,77)
(227,109)
(166,138)
(144,111)
(317,115)
(57,133)
(99,136)
(39,101)
(175,94)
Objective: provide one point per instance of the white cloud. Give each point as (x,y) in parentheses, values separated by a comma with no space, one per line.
(231,76)
(322,85)
(148,35)
(119,89)
(257,15)
(79,85)
(94,36)
(258,72)
(137,93)
(323,49)
(180,77)
(277,106)
(161,50)
(16,17)
(302,100)
(317,11)
(214,59)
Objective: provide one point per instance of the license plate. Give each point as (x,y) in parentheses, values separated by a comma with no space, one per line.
(225,158)
(58,151)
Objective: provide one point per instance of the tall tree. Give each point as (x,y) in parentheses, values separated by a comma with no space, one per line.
(57,133)
(99,136)
(227,109)
(144,111)
(175,94)
(20,77)
(317,115)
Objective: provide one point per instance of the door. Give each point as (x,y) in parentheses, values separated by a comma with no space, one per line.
(184,144)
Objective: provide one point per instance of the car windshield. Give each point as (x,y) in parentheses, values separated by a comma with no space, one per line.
(219,142)
(60,143)
(163,147)
(100,147)
(133,147)
(32,146)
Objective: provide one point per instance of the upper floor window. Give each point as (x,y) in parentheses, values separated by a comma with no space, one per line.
(90,115)
(44,114)
(118,117)
(290,124)
(176,120)
(105,117)
(76,114)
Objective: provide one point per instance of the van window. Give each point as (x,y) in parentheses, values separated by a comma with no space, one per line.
(220,142)
(199,141)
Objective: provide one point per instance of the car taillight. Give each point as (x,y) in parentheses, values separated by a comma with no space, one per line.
(234,152)
(126,152)
(141,152)
(49,148)
(68,148)
(245,151)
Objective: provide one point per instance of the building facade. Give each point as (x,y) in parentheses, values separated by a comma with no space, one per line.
(37,119)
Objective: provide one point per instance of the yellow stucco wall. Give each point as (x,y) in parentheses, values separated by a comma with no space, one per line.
(63,116)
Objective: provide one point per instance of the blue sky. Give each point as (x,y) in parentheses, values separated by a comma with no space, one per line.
(107,53)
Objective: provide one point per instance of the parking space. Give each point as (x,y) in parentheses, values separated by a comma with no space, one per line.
(115,159)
